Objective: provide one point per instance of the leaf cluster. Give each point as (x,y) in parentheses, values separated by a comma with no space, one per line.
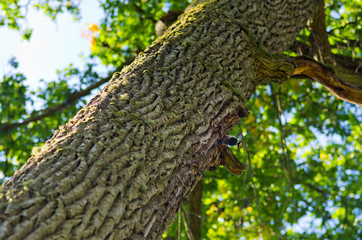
(13,13)
(344,22)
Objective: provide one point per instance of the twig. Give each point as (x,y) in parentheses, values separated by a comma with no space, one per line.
(52,110)
(142,12)
(179,225)
(252,179)
(341,27)
(189,233)
(284,147)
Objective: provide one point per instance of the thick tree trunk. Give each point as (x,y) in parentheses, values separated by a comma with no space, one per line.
(122,166)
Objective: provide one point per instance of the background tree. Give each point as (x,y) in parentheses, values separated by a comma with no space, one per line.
(298,175)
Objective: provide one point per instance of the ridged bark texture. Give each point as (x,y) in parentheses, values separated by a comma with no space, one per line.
(122,166)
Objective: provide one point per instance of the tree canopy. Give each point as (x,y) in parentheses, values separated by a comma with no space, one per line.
(301,144)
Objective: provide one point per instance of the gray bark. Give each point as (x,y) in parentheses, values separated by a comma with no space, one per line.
(122,166)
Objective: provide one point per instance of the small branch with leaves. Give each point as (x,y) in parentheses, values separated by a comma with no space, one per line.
(72,99)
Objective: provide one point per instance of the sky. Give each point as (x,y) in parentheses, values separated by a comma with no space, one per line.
(53,44)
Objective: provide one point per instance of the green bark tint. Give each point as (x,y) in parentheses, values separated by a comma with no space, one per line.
(122,166)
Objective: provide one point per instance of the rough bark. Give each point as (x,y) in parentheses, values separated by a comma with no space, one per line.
(122,166)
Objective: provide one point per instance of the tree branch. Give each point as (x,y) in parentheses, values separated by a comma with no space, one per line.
(352,64)
(355,22)
(52,110)
(286,163)
(252,179)
(347,68)
(308,68)
(187,227)
(71,100)
(142,12)
(318,36)
(195,211)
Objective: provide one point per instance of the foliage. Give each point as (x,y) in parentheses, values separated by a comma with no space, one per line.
(12,104)
(343,19)
(17,103)
(305,166)
(303,146)
(13,12)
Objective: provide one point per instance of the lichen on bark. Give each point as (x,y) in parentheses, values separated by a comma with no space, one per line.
(122,166)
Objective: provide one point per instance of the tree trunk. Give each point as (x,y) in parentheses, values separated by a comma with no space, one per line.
(122,166)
